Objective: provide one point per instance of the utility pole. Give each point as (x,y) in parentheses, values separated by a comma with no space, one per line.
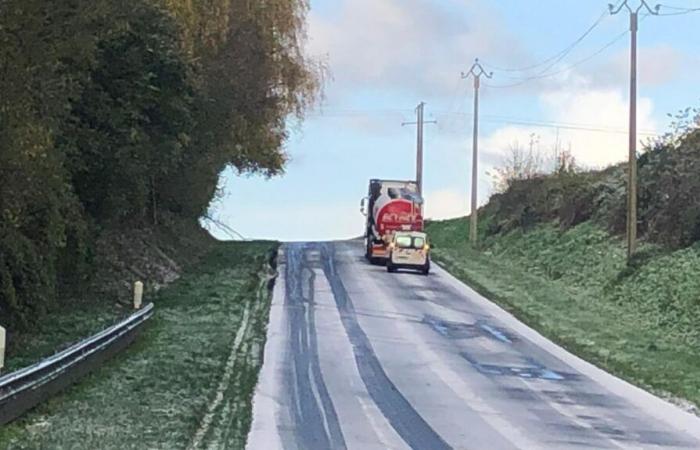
(420,121)
(632,157)
(476,71)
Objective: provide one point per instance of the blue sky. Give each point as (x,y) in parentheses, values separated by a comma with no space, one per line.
(386,56)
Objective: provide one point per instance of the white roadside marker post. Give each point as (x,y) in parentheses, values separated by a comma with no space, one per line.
(2,348)
(138,294)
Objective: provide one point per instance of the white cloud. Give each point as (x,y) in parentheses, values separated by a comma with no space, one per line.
(445,204)
(418,46)
(604,111)
(293,222)
(658,65)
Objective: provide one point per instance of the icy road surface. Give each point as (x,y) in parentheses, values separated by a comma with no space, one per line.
(362,359)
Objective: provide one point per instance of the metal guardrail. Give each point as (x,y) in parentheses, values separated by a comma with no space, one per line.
(26,388)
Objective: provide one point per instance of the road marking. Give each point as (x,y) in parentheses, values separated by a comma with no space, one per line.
(532,371)
(651,405)
(370,429)
(378,422)
(407,422)
(495,333)
(454,381)
(314,385)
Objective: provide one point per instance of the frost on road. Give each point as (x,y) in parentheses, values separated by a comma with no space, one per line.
(359,358)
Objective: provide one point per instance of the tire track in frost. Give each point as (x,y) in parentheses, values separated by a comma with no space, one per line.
(223,383)
(314,416)
(412,428)
(216,426)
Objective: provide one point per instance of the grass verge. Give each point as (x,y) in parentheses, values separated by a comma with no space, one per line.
(641,323)
(65,326)
(155,256)
(158,393)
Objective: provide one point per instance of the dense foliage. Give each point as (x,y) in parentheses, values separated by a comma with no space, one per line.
(119,114)
(669,189)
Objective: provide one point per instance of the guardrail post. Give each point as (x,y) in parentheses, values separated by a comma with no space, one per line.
(138,294)
(2,348)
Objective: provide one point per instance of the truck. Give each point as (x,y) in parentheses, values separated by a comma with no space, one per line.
(390,205)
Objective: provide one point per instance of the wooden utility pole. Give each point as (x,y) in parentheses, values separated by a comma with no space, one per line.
(420,122)
(632,156)
(476,71)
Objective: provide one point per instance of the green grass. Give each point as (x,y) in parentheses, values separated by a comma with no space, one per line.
(640,322)
(156,394)
(105,298)
(60,329)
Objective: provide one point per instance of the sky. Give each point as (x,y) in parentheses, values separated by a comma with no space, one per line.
(386,56)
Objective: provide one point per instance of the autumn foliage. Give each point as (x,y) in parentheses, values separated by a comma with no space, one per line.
(119,114)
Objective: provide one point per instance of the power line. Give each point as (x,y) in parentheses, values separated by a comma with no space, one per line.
(459,92)
(456,105)
(552,124)
(361,112)
(386,111)
(677,10)
(556,58)
(545,74)
(579,126)
(569,67)
(574,65)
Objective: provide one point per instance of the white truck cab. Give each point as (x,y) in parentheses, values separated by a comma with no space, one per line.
(409,250)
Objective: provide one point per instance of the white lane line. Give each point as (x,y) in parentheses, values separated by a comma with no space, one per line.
(379,424)
(453,380)
(569,411)
(497,346)
(651,405)
(348,389)
(312,380)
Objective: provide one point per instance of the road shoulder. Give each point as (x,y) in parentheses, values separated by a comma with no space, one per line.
(159,392)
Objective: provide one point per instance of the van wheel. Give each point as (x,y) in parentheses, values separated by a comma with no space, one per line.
(390,267)
(426,269)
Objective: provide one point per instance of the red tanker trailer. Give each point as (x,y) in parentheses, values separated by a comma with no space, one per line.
(390,206)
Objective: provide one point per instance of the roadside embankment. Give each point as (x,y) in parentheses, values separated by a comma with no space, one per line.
(640,322)
(187,382)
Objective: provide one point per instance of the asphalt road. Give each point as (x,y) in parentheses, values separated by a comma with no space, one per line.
(362,359)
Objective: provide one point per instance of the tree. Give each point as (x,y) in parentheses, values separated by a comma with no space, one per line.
(114,112)
(133,122)
(518,164)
